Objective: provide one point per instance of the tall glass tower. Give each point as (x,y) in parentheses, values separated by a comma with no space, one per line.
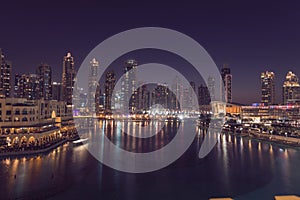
(93,84)
(68,78)
(5,76)
(267,88)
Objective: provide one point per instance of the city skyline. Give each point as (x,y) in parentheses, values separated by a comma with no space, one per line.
(149,100)
(251,37)
(45,70)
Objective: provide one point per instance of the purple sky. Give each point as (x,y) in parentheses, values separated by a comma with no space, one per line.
(251,37)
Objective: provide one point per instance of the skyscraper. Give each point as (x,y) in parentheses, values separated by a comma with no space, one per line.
(18,86)
(5,76)
(68,78)
(227,81)
(291,89)
(27,86)
(211,85)
(143,98)
(56,91)
(93,83)
(267,88)
(160,95)
(44,74)
(177,94)
(203,95)
(110,82)
(129,93)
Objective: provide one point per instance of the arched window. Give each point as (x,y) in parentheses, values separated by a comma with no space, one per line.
(17,111)
(24,111)
(24,119)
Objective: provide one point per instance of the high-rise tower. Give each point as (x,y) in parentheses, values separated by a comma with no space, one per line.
(110,82)
(129,93)
(291,89)
(68,77)
(5,76)
(267,88)
(227,81)
(44,74)
(93,83)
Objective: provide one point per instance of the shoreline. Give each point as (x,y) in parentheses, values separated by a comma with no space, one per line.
(258,137)
(32,152)
(277,140)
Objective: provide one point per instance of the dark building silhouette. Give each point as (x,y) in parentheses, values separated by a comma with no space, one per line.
(44,74)
(5,76)
(68,77)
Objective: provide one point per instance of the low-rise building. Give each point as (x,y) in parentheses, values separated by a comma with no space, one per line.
(32,122)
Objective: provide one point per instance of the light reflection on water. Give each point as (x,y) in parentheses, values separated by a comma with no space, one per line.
(237,166)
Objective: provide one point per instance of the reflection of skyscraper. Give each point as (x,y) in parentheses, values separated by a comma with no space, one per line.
(267,88)
(93,83)
(291,89)
(45,79)
(227,81)
(5,76)
(68,76)
(110,82)
(128,93)
(97,99)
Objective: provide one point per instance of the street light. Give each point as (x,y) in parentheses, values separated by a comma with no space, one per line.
(285,136)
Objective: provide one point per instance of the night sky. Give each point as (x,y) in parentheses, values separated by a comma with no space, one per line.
(251,37)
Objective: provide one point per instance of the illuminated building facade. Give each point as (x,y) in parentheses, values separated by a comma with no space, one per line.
(68,78)
(129,93)
(291,89)
(44,74)
(5,76)
(93,83)
(227,81)
(110,82)
(31,122)
(27,86)
(267,88)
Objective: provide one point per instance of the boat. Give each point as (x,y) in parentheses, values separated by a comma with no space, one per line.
(80,141)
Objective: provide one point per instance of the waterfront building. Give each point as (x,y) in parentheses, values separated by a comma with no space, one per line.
(260,113)
(291,89)
(234,108)
(267,88)
(32,122)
